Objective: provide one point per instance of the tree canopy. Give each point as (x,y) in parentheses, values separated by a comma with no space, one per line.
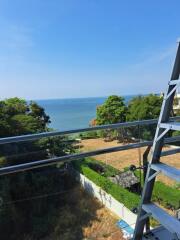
(17,117)
(34,218)
(112,111)
(144,107)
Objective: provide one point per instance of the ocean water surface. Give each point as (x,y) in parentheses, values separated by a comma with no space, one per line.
(72,113)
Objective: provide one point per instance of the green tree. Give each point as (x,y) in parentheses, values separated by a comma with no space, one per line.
(39,113)
(18,117)
(142,108)
(112,111)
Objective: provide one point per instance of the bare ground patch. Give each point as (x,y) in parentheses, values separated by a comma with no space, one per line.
(122,159)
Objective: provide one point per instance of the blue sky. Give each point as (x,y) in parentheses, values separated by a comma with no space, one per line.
(83,48)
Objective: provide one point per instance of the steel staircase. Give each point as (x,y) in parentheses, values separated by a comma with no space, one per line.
(147,208)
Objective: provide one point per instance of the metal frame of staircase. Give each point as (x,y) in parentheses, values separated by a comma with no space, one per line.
(147,208)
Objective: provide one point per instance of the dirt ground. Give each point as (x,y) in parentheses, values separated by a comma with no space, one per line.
(84,218)
(103,228)
(125,158)
(102,222)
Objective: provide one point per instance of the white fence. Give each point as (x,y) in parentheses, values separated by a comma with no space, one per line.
(112,204)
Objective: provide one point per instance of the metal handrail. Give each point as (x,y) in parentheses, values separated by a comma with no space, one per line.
(31,137)
(77,156)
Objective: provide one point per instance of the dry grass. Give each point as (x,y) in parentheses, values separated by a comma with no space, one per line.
(84,218)
(104,227)
(125,158)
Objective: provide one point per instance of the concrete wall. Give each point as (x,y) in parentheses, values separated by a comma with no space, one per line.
(112,204)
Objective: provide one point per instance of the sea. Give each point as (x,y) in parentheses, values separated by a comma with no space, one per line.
(73,113)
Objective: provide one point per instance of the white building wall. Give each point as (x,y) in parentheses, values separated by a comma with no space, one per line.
(112,204)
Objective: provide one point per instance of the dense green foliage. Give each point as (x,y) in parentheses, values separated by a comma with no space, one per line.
(32,217)
(89,135)
(143,108)
(108,170)
(112,111)
(17,117)
(168,197)
(165,195)
(130,200)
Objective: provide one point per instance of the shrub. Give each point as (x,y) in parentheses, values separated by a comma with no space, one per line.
(165,195)
(108,170)
(130,200)
(89,135)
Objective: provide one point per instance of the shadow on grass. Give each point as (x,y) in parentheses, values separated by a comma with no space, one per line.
(55,217)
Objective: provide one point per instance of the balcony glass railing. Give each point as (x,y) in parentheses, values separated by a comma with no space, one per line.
(38,195)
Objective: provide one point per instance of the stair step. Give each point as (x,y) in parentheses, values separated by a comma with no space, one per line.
(167,170)
(174,82)
(158,233)
(171,125)
(170,223)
